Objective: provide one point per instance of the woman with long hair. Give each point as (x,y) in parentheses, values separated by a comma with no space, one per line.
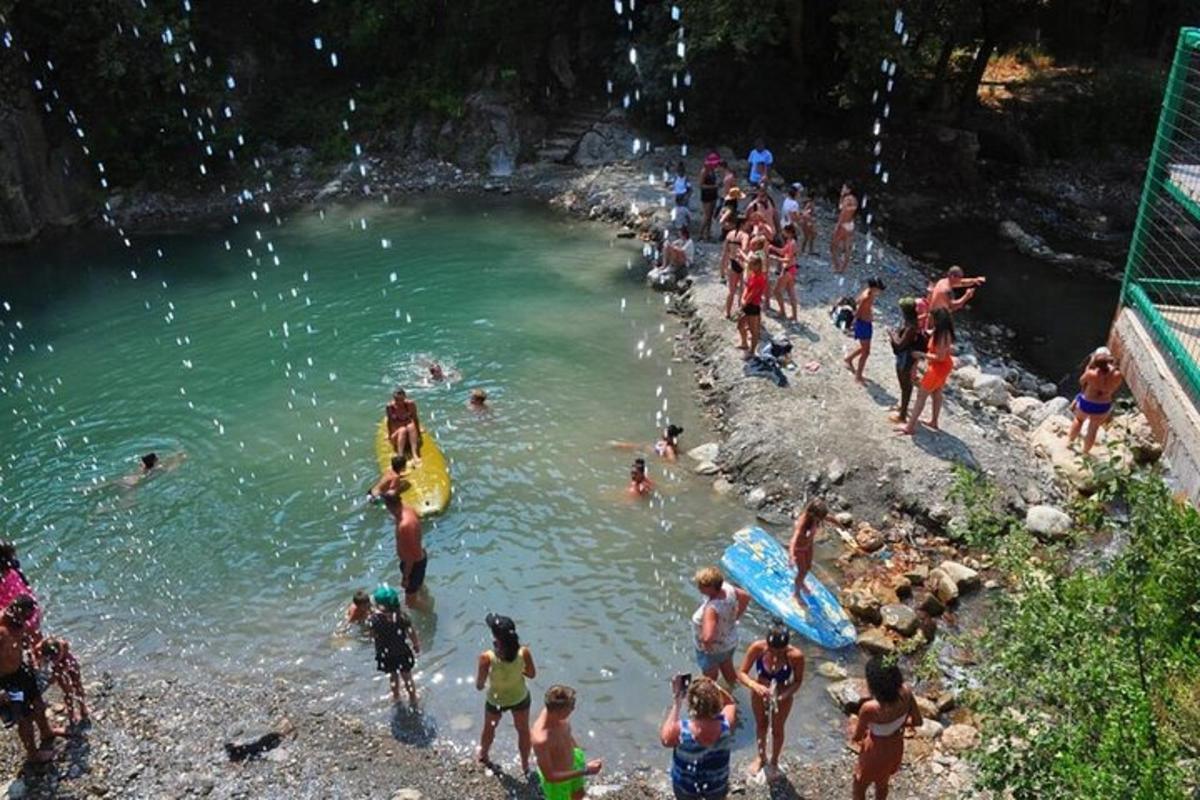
(503,670)
(907,341)
(880,727)
(779,669)
(939,362)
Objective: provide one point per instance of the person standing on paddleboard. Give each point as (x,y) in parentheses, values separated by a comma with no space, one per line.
(804,533)
(403,425)
(715,623)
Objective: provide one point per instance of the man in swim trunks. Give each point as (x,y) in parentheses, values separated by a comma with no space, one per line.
(562,764)
(403,425)
(387,490)
(412,555)
(864,328)
(1097,386)
(942,293)
(20,699)
(841,244)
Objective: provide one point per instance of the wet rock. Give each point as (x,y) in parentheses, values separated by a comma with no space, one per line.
(868,539)
(757,496)
(900,618)
(1047,522)
(705,452)
(848,695)
(931,605)
(247,742)
(722,486)
(942,586)
(876,641)
(959,738)
(706,468)
(963,576)
(832,671)
(862,605)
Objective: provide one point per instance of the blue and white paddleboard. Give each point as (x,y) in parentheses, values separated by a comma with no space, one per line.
(759,564)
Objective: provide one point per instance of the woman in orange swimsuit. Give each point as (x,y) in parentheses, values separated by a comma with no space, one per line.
(939,362)
(403,425)
(880,727)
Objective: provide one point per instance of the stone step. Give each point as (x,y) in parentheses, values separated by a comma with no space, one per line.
(554,154)
(574,131)
(560,141)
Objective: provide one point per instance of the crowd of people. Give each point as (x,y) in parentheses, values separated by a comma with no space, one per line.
(761,247)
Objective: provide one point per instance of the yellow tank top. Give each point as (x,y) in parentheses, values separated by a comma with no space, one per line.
(506,680)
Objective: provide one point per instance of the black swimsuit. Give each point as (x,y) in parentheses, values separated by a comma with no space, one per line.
(708,189)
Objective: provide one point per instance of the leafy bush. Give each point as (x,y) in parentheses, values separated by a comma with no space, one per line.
(1090,675)
(984,523)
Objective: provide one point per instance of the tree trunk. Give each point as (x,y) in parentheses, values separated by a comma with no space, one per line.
(970,90)
(936,99)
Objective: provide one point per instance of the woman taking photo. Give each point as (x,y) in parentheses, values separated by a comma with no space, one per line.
(701,741)
(715,623)
(778,670)
(503,670)
(939,361)
(880,727)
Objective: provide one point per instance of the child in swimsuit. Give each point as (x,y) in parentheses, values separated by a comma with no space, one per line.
(359,611)
(393,631)
(786,285)
(864,316)
(64,672)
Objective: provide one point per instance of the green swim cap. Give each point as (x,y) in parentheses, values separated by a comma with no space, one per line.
(387,597)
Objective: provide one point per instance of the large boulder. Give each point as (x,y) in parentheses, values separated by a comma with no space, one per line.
(876,641)
(1025,407)
(1047,522)
(863,605)
(705,452)
(488,135)
(604,143)
(848,695)
(992,390)
(963,576)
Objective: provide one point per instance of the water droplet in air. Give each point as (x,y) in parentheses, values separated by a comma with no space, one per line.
(317,43)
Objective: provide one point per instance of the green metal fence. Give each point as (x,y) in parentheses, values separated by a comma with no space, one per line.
(1162,275)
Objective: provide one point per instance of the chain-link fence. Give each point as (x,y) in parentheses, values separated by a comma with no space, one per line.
(1162,276)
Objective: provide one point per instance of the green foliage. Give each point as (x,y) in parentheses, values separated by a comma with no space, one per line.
(1090,674)
(984,522)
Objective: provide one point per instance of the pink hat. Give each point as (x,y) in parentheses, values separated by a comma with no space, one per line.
(712,159)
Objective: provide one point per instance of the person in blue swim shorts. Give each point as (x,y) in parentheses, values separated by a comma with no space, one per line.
(864,329)
(1097,386)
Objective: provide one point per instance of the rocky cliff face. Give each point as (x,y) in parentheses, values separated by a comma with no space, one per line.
(38,187)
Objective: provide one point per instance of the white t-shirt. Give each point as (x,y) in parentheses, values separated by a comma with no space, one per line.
(790,207)
(726,608)
(756,158)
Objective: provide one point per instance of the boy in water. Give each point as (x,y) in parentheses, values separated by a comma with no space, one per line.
(64,671)
(864,316)
(359,611)
(393,630)
(562,764)
(389,487)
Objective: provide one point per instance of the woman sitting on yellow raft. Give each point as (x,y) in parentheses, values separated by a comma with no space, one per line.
(428,475)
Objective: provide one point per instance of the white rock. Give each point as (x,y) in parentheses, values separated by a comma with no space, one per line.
(1026,407)
(722,486)
(1054,407)
(960,737)
(1047,522)
(705,452)
(992,390)
(966,376)
(757,496)
(407,794)
(835,672)
(963,576)
(706,468)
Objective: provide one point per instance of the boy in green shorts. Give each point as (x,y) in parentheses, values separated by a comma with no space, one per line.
(562,765)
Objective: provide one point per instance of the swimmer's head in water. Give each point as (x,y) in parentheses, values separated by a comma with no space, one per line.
(399,463)
(639,468)
(149,460)
(778,637)
(673,432)
(478,395)
(387,597)
(361,598)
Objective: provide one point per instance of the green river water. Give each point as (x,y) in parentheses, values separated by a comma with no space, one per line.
(271,378)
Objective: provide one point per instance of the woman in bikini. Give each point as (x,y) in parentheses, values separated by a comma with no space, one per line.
(808,226)
(785,286)
(841,244)
(403,425)
(737,245)
(939,362)
(880,727)
(667,447)
(804,533)
(780,670)
(708,193)
(1097,386)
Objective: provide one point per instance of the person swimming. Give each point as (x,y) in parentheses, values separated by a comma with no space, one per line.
(478,401)
(436,373)
(668,446)
(639,484)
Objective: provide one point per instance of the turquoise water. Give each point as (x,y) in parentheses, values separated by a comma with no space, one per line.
(271,379)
